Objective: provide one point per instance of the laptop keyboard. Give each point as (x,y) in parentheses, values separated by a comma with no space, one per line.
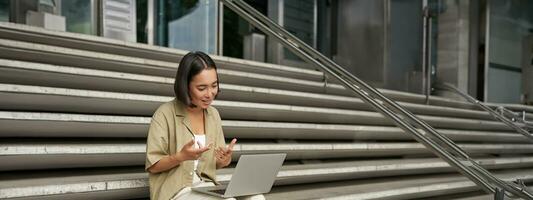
(218,191)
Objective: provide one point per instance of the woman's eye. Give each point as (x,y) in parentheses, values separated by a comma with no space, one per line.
(201,89)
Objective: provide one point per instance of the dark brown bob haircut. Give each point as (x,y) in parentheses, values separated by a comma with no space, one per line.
(190,65)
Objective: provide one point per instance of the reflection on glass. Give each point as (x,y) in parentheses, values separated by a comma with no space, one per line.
(187,24)
(47,6)
(78,16)
(4,10)
(142,17)
(435,8)
(233,37)
(510,23)
(236,28)
(299,20)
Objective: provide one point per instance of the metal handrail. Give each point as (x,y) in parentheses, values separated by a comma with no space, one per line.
(501,117)
(421,131)
(517,118)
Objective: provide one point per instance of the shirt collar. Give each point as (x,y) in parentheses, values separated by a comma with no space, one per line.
(181,109)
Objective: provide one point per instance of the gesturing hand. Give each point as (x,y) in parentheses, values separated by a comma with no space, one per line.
(223,155)
(189,152)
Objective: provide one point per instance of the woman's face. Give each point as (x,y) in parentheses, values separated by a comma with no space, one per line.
(203,88)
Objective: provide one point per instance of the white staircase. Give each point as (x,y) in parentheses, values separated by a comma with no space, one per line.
(75,110)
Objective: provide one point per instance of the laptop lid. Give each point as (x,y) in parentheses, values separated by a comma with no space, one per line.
(254,174)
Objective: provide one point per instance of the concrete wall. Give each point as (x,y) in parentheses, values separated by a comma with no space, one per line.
(453,45)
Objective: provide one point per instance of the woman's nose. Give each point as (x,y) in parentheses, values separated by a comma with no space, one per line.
(210,92)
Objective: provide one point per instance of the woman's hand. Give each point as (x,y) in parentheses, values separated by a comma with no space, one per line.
(189,152)
(223,155)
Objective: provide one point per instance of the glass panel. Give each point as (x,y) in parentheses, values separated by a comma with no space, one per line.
(435,8)
(4,10)
(510,23)
(233,36)
(187,24)
(78,16)
(236,28)
(48,6)
(142,16)
(299,20)
(21,8)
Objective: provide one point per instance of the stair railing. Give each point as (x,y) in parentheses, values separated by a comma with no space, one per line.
(519,117)
(501,116)
(439,144)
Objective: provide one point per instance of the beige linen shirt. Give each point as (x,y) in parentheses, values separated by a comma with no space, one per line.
(169,130)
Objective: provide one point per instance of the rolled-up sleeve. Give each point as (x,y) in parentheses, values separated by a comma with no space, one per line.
(157,142)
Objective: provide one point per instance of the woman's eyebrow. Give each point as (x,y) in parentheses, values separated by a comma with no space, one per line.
(204,85)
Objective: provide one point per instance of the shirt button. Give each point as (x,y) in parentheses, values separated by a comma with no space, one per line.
(190,173)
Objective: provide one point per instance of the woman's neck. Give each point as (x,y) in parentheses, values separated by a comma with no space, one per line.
(194,110)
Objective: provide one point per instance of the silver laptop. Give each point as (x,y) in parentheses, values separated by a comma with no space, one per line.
(254,174)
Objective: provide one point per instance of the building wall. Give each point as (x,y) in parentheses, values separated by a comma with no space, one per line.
(453,50)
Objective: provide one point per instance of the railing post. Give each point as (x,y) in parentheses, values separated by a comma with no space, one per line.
(499,194)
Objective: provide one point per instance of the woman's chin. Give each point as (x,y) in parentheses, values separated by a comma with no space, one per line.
(204,105)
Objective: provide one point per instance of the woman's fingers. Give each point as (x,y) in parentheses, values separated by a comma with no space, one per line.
(221,153)
(231,144)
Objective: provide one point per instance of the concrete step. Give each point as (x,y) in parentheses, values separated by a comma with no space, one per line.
(74,77)
(40,124)
(89,101)
(30,34)
(60,76)
(477,196)
(97,44)
(423,187)
(119,183)
(39,36)
(70,153)
(112,183)
(328,171)
(234,110)
(17,50)
(229,109)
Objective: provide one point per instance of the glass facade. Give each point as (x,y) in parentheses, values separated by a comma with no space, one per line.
(187,24)
(510,23)
(4,10)
(79,16)
(142,18)
(299,20)
(233,34)
(236,28)
(435,8)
